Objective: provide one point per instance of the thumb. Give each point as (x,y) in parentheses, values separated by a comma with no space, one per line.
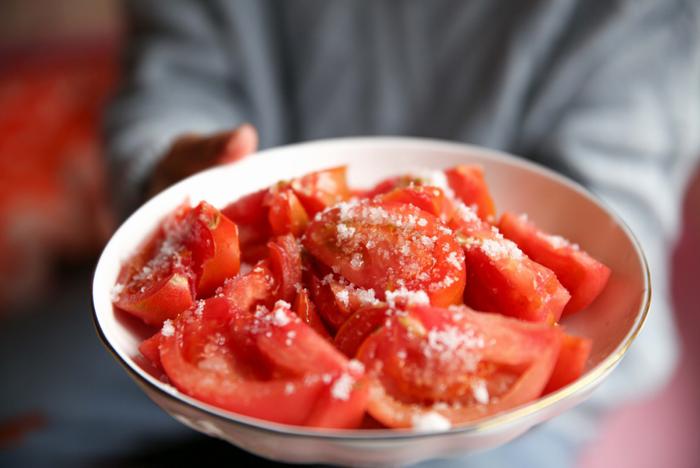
(241,142)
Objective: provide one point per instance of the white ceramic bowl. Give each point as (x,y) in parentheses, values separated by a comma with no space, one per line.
(554,202)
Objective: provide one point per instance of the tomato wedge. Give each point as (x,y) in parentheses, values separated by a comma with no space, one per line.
(427,198)
(571,362)
(212,239)
(582,275)
(321,189)
(358,327)
(149,349)
(337,299)
(285,212)
(203,360)
(251,217)
(468,184)
(285,261)
(389,247)
(157,282)
(306,310)
(455,365)
(501,278)
(247,291)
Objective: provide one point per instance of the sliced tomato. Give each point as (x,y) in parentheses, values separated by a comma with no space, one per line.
(358,327)
(285,262)
(212,239)
(582,275)
(392,183)
(285,212)
(149,349)
(250,215)
(306,310)
(289,343)
(427,198)
(468,184)
(204,359)
(256,287)
(343,404)
(337,300)
(321,189)
(157,282)
(389,247)
(501,278)
(462,365)
(571,362)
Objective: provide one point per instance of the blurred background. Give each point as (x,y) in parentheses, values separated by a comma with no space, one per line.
(58,68)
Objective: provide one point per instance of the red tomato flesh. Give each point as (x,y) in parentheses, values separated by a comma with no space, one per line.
(427,198)
(389,247)
(358,327)
(462,365)
(468,184)
(501,278)
(306,310)
(321,189)
(213,240)
(582,275)
(285,212)
(571,362)
(149,349)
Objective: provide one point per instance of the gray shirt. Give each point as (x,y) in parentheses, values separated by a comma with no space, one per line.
(607,92)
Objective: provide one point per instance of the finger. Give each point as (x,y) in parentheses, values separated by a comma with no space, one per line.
(241,142)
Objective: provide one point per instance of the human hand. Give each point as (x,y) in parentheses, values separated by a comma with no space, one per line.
(193,153)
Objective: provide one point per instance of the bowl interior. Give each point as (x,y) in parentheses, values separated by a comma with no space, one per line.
(552,201)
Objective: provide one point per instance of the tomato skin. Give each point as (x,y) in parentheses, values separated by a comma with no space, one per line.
(358,327)
(427,198)
(320,189)
(306,310)
(384,246)
(571,362)
(468,184)
(582,275)
(512,359)
(285,263)
(213,240)
(285,212)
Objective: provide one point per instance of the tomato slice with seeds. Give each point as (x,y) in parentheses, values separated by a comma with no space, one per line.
(460,364)
(321,189)
(501,278)
(582,275)
(387,247)
(571,362)
(468,184)
(213,240)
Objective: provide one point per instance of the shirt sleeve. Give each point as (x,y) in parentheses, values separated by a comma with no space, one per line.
(630,134)
(178,78)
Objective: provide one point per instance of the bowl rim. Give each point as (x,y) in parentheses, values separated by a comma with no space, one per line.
(588,380)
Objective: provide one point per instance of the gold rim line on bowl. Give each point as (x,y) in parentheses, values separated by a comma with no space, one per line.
(484,425)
